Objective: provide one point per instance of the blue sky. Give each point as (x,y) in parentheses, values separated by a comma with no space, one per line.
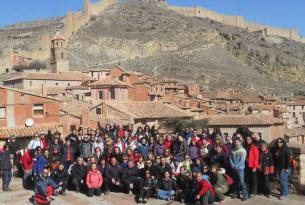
(279,13)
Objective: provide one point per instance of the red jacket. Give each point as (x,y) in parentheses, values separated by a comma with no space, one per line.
(168,144)
(94,179)
(27,161)
(253,157)
(121,133)
(204,187)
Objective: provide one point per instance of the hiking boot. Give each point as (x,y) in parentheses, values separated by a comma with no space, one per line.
(144,201)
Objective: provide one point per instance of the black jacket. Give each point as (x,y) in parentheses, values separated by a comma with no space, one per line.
(183,182)
(129,175)
(5,161)
(282,158)
(79,172)
(148,182)
(159,170)
(60,176)
(113,172)
(167,184)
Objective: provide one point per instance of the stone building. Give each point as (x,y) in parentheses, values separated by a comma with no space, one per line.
(46,80)
(23,113)
(268,127)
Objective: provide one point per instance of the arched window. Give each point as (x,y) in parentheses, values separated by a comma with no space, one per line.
(62,55)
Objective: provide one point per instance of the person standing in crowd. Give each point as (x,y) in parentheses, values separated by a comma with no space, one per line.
(282,157)
(266,169)
(86,148)
(6,168)
(183,188)
(14,148)
(27,165)
(40,162)
(94,181)
(130,177)
(237,160)
(251,166)
(68,154)
(35,142)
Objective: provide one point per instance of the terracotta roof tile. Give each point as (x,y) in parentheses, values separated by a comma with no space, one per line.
(70,76)
(140,110)
(109,81)
(236,120)
(28,131)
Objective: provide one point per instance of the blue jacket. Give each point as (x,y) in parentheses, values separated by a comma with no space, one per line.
(42,184)
(39,164)
(238,158)
(143,150)
(188,135)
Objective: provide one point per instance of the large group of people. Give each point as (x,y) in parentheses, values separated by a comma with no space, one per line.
(195,166)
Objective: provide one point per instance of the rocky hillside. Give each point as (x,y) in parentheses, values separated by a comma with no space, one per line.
(161,42)
(27,35)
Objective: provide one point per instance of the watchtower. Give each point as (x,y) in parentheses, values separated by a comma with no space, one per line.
(59,58)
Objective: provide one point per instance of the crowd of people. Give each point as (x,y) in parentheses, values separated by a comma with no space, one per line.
(194,166)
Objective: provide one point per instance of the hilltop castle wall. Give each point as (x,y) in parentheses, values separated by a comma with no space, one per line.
(73,22)
(238,21)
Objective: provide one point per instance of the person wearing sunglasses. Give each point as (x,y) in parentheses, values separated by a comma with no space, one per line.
(282,158)
(147,187)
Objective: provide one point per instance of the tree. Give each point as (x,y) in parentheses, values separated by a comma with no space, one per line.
(36,65)
(178,125)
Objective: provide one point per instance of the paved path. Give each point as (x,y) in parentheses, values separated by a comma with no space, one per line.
(19,196)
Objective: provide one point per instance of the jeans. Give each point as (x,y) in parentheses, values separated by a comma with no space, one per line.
(6,178)
(251,181)
(239,180)
(284,181)
(166,194)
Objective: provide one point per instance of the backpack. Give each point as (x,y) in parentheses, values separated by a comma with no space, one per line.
(229,180)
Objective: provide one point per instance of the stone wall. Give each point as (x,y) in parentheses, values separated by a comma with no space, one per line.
(238,21)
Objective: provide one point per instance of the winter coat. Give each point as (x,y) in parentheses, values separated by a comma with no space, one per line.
(238,158)
(42,184)
(40,162)
(5,161)
(180,148)
(78,172)
(159,170)
(148,182)
(60,176)
(266,163)
(183,182)
(282,158)
(167,184)
(193,151)
(27,161)
(64,153)
(252,156)
(113,172)
(159,149)
(86,149)
(128,175)
(168,144)
(202,186)
(33,144)
(94,179)
(143,150)
(218,181)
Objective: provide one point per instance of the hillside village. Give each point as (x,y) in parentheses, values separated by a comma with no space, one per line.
(59,98)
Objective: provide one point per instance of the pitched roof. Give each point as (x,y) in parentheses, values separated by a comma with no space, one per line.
(237,120)
(109,81)
(28,93)
(28,131)
(74,107)
(58,36)
(251,99)
(141,110)
(69,76)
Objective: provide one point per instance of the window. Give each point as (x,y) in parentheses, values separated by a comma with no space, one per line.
(56,84)
(294,107)
(88,94)
(68,84)
(62,55)
(31,83)
(112,93)
(2,112)
(98,111)
(38,109)
(77,96)
(100,95)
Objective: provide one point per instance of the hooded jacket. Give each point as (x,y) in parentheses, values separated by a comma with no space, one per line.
(94,179)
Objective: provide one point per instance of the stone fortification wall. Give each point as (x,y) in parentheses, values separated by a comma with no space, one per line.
(73,22)
(238,21)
